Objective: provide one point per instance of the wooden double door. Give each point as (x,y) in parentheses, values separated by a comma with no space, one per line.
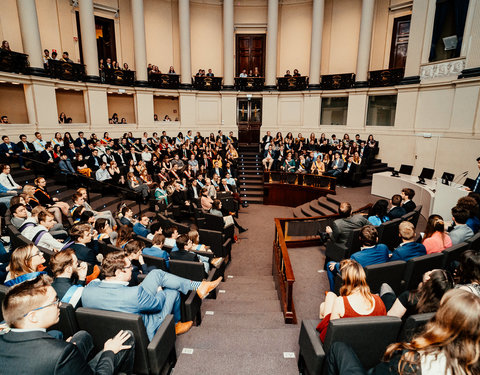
(249,120)
(250,53)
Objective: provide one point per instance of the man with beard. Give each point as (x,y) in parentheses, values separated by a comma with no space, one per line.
(69,276)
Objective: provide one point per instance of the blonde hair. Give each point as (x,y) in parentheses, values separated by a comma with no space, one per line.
(354,280)
(406,230)
(29,190)
(194,236)
(21,261)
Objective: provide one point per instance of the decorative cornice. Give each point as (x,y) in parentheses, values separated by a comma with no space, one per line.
(442,69)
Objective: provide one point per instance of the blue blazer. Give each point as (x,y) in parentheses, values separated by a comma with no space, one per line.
(140,230)
(408,251)
(117,297)
(374,255)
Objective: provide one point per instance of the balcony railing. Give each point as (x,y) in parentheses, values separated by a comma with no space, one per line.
(65,70)
(118,77)
(13,62)
(337,81)
(292,83)
(386,77)
(164,81)
(249,83)
(207,83)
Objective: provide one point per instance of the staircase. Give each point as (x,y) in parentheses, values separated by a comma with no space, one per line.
(318,207)
(250,174)
(375,166)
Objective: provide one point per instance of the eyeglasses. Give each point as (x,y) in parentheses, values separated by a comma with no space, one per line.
(54,303)
(34,255)
(127,268)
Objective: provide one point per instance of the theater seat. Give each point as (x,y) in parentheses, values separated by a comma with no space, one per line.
(454,253)
(368,336)
(388,233)
(67,324)
(474,242)
(416,267)
(413,325)
(390,273)
(150,358)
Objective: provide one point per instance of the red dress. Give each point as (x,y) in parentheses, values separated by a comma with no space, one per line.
(378,310)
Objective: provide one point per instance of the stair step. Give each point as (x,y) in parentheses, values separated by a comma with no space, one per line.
(251,186)
(316,208)
(242,321)
(253,200)
(332,208)
(246,294)
(214,362)
(297,212)
(307,211)
(333,200)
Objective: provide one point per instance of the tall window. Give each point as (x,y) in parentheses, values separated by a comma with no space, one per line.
(334,111)
(381,110)
(448,27)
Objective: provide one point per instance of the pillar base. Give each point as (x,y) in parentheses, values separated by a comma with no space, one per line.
(270,88)
(412,80)
(228,88)
(471,72)
(38,72)
(92,79)
(360,84)
(185,86)
(141,83)
(315,86)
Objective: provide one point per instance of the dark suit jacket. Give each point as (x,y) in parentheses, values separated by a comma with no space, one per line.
(408,251)
(85,253)
(91,162)
(78,142)
(409,206)
(396,212)
(341,228)
(38,353)
(62,284)
(5,150)
(21,147)
(183,255)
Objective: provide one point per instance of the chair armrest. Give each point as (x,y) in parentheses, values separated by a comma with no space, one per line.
(311,348)
(161,345)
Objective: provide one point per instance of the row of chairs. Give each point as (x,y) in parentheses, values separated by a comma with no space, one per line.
(387,234)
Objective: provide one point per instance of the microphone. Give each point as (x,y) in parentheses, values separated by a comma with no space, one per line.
(464,174)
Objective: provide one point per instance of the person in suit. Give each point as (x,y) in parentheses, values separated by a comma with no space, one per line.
(408,249)
(407,195)
(156,249)
(94,162)
(193,190)
(183,252)
(85,248)
(81,141)
(65,165)
(46,155)
(147,299)
(337,166)
(8,150)
(141,227)
(397,210)
(461,231)
(69,276)
(24,148)
(29,310)
(341,228)
(371,252)
(476,187)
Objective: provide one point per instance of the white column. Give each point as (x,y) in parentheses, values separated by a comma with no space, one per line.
(228,52)
(316,46)
(139,43)
(365,40)
(272,32)
(89,39)
(185,59)
(27,15)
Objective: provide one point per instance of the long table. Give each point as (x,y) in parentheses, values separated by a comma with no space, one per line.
(434,196)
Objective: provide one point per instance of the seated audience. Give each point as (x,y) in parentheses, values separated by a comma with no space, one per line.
(407,195)
(156,249)
(426,298)
(69,276)
(102,173)
(147,299)
(127,217)
(86,250)
(408,249)
(378,212)
(105,232)
(435,238)
(470,204)
(460,231)
(355,298)
(29,310)
(447,345)
(133,251)
(39,232)
(397,210)
(371,252)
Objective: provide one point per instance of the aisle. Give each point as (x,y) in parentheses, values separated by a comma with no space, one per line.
(242,331)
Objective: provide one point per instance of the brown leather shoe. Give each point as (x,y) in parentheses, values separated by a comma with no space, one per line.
(181,328)
(216,262)
(207,286)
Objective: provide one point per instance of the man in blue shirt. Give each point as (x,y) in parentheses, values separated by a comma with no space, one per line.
(370,253)
(156,249)
(408,249)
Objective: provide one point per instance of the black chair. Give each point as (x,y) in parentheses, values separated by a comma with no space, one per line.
(409,216)
(336,252)
(474,242)
(413,325)
(217,223)
(220,245)
(3,293)
(416,267)
(390,273)
(156,262)
(368,336)
(150,357)
(454,253)
(388,233)
(414,219)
